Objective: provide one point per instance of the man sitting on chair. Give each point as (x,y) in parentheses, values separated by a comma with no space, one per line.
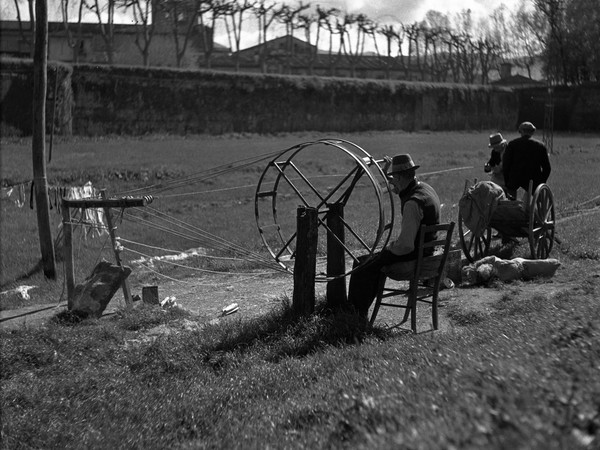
(420,205)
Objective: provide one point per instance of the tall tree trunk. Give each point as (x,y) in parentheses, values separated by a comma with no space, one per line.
(40,63)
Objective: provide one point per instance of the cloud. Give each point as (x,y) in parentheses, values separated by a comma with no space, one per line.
(408,11)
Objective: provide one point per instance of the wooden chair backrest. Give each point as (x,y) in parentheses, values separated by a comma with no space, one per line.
(433,266)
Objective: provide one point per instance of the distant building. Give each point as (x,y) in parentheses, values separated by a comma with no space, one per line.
(512,75)
(84,43)
(290,55)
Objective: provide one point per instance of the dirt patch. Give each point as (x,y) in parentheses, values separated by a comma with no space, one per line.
(257,294)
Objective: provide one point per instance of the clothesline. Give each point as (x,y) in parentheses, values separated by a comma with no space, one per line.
(18,193)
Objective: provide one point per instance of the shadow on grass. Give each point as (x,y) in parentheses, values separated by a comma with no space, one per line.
(184,344)
(271,338)
(285,334)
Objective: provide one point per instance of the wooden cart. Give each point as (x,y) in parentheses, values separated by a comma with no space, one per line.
(531,218)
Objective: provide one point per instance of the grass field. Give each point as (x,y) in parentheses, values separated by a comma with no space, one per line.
(522,373)
(224,205)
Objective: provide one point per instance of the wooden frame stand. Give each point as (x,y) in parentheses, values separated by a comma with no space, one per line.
(106,204)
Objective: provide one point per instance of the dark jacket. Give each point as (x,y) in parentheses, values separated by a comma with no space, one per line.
(428,200)
(525,159)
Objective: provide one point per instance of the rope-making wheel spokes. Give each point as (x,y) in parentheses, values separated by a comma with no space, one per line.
(330,175)
(475,245)
(541,222)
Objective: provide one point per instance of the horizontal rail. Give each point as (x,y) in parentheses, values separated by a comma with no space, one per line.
(107,203)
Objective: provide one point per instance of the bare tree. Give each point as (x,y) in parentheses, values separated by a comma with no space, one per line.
(556,61)
(210,12)
(306,22)
(439,31)
(289,16)
(27,33)
(234,16)
(488,53)
(183,17)
(412,35)
(266,12)
(570,31)
(394,37)
(583,40)
(74,39)
(105,15)
(528,37)
(326,21)
(145,26)
(352,25)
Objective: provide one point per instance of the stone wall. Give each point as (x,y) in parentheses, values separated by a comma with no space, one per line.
(99,100)
(136,101)
(16,97)
(575,108)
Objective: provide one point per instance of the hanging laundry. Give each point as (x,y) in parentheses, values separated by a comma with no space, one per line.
(15,193)
(91,218)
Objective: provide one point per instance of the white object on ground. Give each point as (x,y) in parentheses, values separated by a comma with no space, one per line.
(230,309)
(23,291)
(169,302)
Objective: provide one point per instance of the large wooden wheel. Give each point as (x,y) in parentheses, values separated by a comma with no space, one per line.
(541,222)
(474,245)
(355,185)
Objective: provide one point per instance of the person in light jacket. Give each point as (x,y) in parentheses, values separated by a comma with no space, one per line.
(494,165)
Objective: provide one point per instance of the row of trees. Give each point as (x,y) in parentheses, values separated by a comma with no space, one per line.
(565,34)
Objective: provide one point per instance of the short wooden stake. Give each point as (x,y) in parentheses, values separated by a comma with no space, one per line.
(113,239)
(305,266)
(336,259)
(150,295)
(68,253)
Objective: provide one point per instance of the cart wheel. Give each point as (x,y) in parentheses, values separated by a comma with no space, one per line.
(541,223)
(474,247)
(295,177)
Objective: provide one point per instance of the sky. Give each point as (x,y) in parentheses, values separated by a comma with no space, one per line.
(381,11)
(391,11)
(408,11)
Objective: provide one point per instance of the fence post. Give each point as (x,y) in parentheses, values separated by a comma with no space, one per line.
(68,253)
(336,260)
(305,267)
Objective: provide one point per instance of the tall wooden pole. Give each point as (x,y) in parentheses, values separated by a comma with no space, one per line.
(305,267)
(68,253)
(40,63)
(336,262)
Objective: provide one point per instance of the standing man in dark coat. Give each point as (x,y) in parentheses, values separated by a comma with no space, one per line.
(525,159)
(420,205)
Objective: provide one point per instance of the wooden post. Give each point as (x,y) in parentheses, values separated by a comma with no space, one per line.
(305,267)
(38,141)
(150,295)
(113,239)
(336,260)
(68,253)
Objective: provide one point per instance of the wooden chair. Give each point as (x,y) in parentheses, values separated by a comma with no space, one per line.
(428,269)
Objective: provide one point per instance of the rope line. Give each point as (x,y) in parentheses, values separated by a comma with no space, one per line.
(196,234)
(582,214)
(217,272)
(178,251)
(222,241)
(196,284)
(205,174)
